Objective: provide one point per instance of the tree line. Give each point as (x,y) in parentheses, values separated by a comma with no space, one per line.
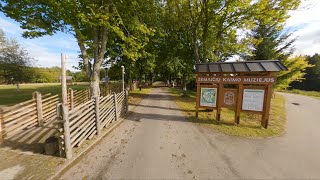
(165,38)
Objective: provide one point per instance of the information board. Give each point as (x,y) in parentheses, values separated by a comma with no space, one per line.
(208,97)
(253,99)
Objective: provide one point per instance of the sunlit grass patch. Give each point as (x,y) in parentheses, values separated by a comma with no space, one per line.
(136,95)
(249,126)
(10,96)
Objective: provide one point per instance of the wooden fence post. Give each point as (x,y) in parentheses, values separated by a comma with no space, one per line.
(115,105)
(39,108)
(66,131)
(71,98)
(1,119)
(127,101)
(97,109)
(60,130)
(89,94)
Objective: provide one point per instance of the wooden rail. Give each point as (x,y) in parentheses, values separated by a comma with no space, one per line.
(79,120)
(37,112)
(88,119)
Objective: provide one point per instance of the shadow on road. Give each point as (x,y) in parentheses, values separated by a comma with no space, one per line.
(164,95)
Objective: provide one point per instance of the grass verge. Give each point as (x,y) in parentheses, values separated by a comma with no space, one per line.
(9,95)
(249,123)
(136,95)
(315,94)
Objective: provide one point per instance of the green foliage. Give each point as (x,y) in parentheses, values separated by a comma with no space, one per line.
(46,75)
(80,76)
(311,79)
(151,38)
(271,42)
(97,25)
(297,66)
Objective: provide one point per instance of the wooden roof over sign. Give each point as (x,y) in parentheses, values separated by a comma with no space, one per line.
(241,66)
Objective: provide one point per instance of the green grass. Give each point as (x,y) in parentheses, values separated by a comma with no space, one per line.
(9,95)
(315,94)
(136,95)
(249,126)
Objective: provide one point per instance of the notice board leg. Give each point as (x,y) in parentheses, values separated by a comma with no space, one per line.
(265,116)
(198,100)
(218,115)
(238,105)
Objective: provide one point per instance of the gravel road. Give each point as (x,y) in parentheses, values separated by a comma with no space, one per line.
(156,142)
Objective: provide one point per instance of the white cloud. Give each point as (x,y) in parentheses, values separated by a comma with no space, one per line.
(306,21)
(9,27)
(45,50)
(45,58)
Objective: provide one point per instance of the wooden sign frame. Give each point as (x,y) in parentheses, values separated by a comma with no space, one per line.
(229,92)
(243,82)
(216,96)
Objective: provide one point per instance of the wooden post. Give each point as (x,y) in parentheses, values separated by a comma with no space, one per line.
(89,94)
(238,104)
(34,95)
(64,81)
(198,99)
(265,116)
(115,105)
(66,131)
(1,120)
(71,98)
(60,130)
(39,109)
(127,101)
(220,97)
(97,111)
(65,111)
(122,68)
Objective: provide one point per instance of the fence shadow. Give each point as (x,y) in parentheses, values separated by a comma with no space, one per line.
(30,140)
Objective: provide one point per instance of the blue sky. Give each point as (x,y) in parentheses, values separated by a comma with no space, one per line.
(46,50)
(305,21)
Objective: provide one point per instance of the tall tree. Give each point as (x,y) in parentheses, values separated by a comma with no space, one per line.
(14,61)
(272,42)
(91,23)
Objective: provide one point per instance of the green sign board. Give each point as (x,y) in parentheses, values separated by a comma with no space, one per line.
(208,97)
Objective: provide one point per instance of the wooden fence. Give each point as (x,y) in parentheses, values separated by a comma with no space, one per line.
(111,87)
(37,112)
(79,120)
(88,119)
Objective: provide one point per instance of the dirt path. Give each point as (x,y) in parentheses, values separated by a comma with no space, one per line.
(157,142)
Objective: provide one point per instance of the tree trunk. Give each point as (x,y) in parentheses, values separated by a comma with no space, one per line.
(18,87)
(99,46)
(205,32)
(184,86)
(94,83)
(85,57)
